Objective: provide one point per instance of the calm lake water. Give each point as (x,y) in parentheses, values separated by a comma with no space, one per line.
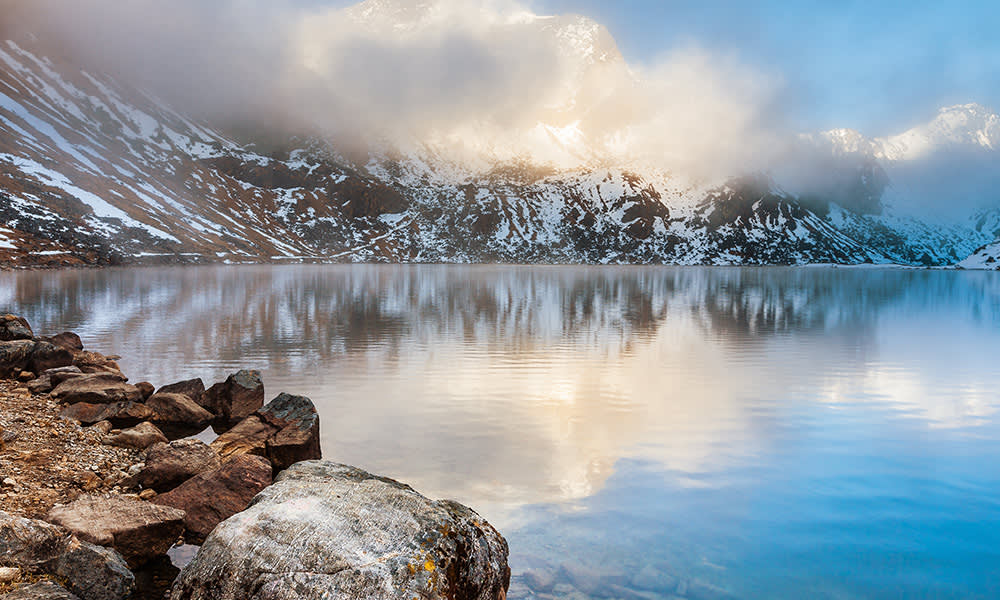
(634,432)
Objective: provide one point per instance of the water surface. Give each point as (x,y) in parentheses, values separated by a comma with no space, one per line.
(635,432)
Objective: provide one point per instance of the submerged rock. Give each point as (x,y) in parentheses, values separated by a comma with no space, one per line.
(331,531)
(169,465)
(39,548)
(213,496)
(140,531)
(286,431)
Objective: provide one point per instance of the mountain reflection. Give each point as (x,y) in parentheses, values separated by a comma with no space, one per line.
(504,386)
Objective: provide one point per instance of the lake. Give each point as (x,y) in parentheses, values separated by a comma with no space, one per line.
(646,432)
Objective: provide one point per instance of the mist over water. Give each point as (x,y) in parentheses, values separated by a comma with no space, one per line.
(772,433)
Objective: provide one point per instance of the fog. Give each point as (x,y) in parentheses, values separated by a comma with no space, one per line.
(470,77)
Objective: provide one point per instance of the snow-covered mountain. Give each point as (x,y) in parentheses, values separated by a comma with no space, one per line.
(93,171)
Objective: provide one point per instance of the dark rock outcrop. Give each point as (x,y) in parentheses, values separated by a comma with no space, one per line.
(13,327)
(233,400)
(169,465)
(140,531)
(214,496)
(286,431)
(351,535)
(39,548)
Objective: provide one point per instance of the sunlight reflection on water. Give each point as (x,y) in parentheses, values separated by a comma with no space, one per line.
(703,433)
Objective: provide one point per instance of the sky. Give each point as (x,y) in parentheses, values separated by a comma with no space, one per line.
(878,67)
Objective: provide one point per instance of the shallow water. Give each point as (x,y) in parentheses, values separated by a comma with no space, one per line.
(635,432)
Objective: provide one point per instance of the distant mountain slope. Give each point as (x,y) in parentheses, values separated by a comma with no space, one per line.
(92,172)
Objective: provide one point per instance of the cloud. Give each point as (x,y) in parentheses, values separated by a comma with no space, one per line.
(482,75)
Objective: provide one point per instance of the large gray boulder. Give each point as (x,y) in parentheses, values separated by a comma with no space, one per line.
(331,531)
(38,548)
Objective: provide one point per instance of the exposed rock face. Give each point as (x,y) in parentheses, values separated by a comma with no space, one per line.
(140,437)
(43,590)
(169,465)
(350,535)
(140,531)
(96,389)
(286,431)
(13,327)
(192,388)
(214,496)
(38,548)
(234,399)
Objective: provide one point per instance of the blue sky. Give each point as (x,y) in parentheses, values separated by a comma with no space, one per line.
(877,66)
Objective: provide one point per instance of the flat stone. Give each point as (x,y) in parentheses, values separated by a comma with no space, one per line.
(192,388)
(325,530)
(120,414)
(96,389)
(40,548)
(41,590)
(169,465)
(213,496)
(13,328)
(140,531)
(140,437)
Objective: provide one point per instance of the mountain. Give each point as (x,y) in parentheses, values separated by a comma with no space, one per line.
(93,171)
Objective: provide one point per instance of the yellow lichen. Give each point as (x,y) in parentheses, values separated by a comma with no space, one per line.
(429,566)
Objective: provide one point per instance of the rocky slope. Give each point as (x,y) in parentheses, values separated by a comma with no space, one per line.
(92,172)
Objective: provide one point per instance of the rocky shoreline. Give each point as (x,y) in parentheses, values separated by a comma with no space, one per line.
(100,478)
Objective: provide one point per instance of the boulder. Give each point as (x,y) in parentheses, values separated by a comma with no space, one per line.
(140,531)
(39,548)
(48,380)
(140,437)
(47,356)
(14,328)
(67,340)
(41,590)
(146,389)
(235,399)
(95,362)
(96,389)
(119,414)
(14,356)
(213,496)
(169,465)
(192,388)
(325,530)
(286,431)
(177,415)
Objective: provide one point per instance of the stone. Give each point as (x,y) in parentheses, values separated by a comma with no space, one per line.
(169,465)
(192,388)
(102,427)
(49,379)
(25,376)
(140,437)
(178,409)
(350,535)
(40,548)
(9,575)
(40,590)
(96,389)
(14,356)
(95,362)
(146,389)
(286,431)
(67,340)
(235,399)
(213,496)
(119,414)
(13,328)
(47,356)
(140,531)
(147,494)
